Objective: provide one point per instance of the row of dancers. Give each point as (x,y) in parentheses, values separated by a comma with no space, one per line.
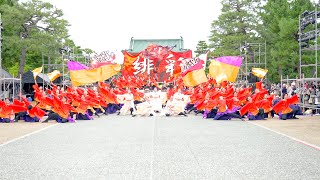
(220,101)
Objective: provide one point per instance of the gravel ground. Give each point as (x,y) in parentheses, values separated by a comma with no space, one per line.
(122,147)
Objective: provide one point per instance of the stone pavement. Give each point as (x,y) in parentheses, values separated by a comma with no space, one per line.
(122,147)
(306,128)
(9,131)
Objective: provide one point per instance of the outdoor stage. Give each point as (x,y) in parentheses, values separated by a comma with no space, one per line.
(123,147)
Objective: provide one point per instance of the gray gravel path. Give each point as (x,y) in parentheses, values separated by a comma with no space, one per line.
(122,147)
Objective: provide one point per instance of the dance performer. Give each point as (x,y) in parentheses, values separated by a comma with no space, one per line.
(179,102)
(144,109)
(284,107)
(156,101)
(128,105)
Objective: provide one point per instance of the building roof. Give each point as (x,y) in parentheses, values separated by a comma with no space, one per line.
(138,45)
(4,74)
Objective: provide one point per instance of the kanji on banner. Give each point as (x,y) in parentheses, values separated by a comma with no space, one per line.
(130,67)
(178,57)
(156,61)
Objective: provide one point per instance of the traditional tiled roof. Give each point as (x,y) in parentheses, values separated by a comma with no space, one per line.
(137,45)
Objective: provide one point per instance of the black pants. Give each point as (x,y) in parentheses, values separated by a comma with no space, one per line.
(212,113)
(55,116)
(284,116)
(116,106)
(272,113)
(295,112)
(137,102)
(234,115)
(82,117)
(19,115)
(192,109)
(261,113)
(5,120)
(52,116)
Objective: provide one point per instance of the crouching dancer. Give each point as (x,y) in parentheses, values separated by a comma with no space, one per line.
(144,109)
(60,111)
(286,109)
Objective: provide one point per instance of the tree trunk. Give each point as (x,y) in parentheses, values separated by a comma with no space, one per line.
(22,60)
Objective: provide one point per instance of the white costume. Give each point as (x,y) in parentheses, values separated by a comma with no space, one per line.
(156,102)
(128,102)
(144,109)
(170,108)
(179,101)
(163,97)
(155,99)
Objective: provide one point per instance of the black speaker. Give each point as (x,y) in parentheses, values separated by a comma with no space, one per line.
(252,79)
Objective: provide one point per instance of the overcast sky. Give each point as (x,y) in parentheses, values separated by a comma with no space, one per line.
(109,25)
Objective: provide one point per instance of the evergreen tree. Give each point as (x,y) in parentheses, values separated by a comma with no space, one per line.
(202,48)
(29,28)
(237,23)
(8,2)
(281,21)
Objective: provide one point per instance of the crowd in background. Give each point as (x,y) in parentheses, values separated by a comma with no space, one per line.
(309,93)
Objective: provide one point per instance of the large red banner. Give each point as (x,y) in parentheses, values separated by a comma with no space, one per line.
(155,61)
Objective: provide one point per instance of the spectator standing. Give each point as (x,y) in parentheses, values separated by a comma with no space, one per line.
(289,91)
(284,90)
(312,95)
(277,89)
(294,88)
(306,94)
(317,99)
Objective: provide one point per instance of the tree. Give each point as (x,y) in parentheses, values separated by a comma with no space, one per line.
(280,19)
(202,48)
(237,23)
(31,26)
(33,31)
(88,51)
(8,2)
(41,22)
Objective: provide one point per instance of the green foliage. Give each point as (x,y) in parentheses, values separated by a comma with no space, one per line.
(88,52)
(275,21)
(237,23)
(202,48)
(281,21)
(36,27)
(8,2)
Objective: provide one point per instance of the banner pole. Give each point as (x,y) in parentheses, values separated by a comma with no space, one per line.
(13,81)
(42,77)
(62,71)
(20,88)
